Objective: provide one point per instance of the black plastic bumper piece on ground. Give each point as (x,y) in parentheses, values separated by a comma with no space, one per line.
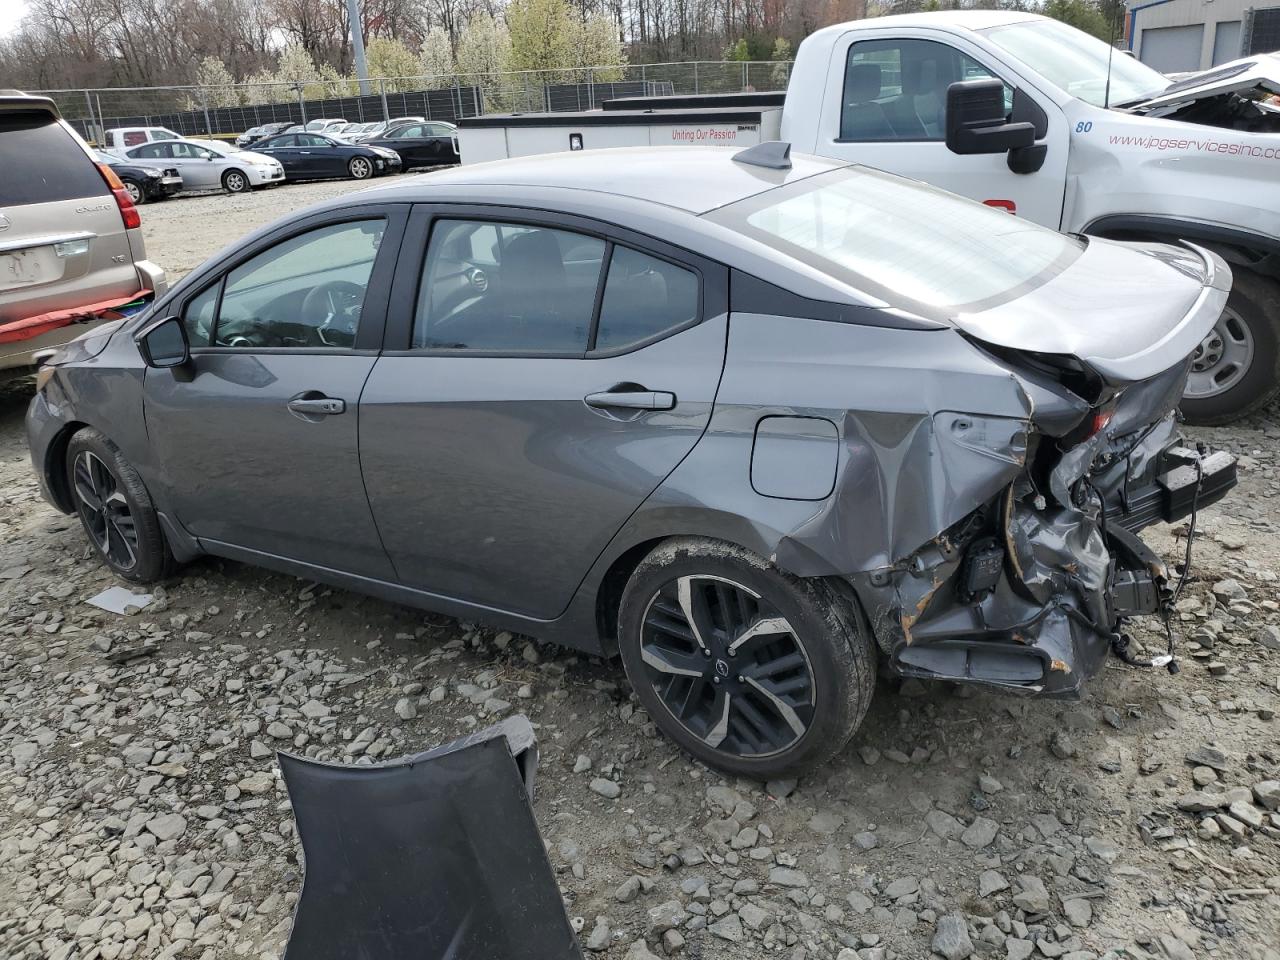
(434,855)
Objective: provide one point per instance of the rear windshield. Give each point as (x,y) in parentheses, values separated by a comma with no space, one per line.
(909,244)
(41,162)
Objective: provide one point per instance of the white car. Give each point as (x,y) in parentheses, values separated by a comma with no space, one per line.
(212,164)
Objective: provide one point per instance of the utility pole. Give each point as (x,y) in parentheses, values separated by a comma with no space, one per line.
(357,46)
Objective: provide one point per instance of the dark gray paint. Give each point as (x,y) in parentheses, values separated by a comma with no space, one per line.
(498,494)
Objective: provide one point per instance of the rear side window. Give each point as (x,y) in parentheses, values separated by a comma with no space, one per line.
(644,297)
(42,162)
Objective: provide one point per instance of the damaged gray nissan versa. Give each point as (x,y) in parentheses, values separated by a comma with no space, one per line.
(756,423)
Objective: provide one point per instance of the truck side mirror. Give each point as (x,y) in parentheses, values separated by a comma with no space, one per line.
(976,120)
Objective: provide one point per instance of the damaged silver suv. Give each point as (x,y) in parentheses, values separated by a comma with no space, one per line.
(755,427)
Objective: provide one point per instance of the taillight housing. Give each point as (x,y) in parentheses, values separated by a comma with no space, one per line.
(128,212)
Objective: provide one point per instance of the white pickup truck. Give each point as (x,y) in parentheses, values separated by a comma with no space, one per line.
(1031,115)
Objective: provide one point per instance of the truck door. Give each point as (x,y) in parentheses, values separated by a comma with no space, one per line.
(885,106)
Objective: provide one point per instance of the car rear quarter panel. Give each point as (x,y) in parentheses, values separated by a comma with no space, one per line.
(929,428)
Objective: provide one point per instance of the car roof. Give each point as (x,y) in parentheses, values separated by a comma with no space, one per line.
(692,179)
(961,19)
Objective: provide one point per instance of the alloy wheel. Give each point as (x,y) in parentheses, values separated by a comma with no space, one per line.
(135,192)
(1222,358)
(235,182)
(105,510)
(727,666)
(361,168)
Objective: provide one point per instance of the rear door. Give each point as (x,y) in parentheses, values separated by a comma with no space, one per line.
(540,381)
(63,242)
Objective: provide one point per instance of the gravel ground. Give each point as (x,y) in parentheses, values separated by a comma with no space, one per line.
(140,815)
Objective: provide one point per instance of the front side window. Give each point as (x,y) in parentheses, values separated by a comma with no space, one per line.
(160,133)
(507,288)
(305,292)
(404,133)
(199,315)
(153,151)
(897,89)
(909,244)
(189,151)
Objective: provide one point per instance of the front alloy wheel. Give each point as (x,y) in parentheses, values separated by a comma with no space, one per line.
(361,168)
(235,182)
(105,511)
(136,193)
(728,666)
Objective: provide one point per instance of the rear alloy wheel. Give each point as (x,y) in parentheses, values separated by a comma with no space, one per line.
(115,509)
(135,191)
(361,168)
(235,181)
(749,669)
(1236,368)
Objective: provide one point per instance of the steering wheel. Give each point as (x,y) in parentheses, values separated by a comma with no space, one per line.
(338,302)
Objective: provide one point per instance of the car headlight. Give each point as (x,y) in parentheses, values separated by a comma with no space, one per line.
(152,172)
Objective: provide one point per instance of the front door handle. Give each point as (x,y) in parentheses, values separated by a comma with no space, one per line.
(631,400)
(313,406)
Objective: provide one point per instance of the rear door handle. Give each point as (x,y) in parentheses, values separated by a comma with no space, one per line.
(317,406)
(632,400)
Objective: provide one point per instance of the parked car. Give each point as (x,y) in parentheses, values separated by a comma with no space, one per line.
(118,139)
(313,156)
(212,165)
(71,251)
(426,144)
(378,127)
(754,427)
(320,125)
(254,134)
(141,181)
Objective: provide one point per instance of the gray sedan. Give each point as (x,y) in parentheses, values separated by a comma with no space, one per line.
(754,422)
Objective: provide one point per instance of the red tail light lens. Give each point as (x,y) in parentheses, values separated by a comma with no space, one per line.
(1100,420)
(128,212)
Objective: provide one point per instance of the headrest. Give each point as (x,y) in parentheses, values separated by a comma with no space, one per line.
(862,82)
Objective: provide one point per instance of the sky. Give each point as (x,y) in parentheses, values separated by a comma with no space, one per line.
(11,12)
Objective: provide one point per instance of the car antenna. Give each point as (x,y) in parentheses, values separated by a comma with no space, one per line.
(774,154)
(1111,52)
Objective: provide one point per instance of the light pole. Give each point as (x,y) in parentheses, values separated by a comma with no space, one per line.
(357,46)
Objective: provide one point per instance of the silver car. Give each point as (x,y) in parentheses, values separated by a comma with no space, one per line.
(755,427)
(208,165)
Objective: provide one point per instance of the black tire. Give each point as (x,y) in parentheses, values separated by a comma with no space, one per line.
(360,168)
(151,557)
(1255,304)
(824,625)
(236,181)
(137,193)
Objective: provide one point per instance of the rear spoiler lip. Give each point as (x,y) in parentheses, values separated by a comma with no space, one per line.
(16,100)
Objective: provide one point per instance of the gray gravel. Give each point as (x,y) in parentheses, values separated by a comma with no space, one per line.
(141,814)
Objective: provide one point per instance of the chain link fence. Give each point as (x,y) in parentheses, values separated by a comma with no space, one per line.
(228,110)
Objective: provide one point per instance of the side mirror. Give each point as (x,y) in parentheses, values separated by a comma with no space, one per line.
(976,120)
(163,344)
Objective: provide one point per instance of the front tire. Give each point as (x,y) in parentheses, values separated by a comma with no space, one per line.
(751,670)
(135,191)
(115,509)
(236,181)
(1236,369)
(360,168)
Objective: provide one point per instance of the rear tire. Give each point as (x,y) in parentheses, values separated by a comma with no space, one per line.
(776,703)
(360,168)
(115,509)
(1248,336)
(236,181)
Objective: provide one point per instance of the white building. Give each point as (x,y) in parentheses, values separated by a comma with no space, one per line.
(1177,36)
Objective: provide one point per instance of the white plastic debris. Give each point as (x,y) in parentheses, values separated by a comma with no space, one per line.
(119,600)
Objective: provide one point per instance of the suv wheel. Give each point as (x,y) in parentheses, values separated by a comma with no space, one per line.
(361,168)
(1236,368)
(136,193)
(115,509)
(753,671)
(235,181)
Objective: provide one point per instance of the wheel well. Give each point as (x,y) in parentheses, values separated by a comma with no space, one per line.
(609,594)
(56,455)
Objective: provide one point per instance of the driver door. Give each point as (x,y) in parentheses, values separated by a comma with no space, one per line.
(194,163)
(257,440)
